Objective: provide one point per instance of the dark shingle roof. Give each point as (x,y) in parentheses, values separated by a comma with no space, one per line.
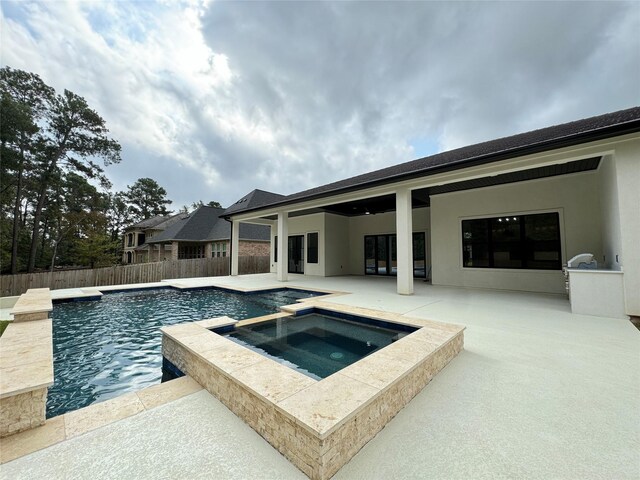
(248,231)
(170,221)
(564,135)
(150,222)
(204,225)
(254,199)
(159,222)
(195,227)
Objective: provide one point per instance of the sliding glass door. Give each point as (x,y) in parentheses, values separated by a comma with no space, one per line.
(419,255)
(296,254)
(381,255)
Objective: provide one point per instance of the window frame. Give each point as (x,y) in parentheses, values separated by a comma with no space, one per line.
(309,248)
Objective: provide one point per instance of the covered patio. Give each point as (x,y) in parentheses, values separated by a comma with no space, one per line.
(508,230)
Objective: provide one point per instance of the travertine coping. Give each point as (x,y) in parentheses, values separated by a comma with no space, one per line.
(79,422)
(216,322)
(317,425)
(26,372)
(77,294)
(33,305)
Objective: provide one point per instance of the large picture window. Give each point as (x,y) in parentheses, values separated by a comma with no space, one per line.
(514,241)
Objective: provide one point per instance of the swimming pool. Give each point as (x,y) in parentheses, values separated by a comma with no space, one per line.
(316,345)
(104,348)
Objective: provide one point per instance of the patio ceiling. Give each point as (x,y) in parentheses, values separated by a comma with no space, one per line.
(421,197)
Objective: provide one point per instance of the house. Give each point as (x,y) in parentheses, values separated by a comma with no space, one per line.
(503,214)
(136,248)
(204,234)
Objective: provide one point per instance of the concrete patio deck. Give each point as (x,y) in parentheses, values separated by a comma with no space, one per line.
(538,392)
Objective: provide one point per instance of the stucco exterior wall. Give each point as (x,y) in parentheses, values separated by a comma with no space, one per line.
(381,223)
(609,211)
(302,226)
(336,241)
(627,163)
(574,197)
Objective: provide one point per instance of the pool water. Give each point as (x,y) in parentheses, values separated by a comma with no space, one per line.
(314,344)
(107,347)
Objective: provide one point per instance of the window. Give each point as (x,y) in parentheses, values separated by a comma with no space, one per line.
(370,255)
(419,255)
(275,249)
(190,251)
(312,247)
(219,249)
(514,241)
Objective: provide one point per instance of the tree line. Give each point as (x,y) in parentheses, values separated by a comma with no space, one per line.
(57,208)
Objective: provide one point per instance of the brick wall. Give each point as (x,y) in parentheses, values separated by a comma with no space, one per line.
(258,249)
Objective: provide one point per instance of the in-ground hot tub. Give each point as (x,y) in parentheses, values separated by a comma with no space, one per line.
(317,423)
(317,345)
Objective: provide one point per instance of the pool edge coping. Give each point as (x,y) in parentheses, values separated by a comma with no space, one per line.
(55,429)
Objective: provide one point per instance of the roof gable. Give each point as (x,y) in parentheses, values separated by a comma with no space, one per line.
(254,199)
(193,227)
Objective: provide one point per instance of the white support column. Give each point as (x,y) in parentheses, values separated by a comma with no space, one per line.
(404,236)
(235,246)
(283,246)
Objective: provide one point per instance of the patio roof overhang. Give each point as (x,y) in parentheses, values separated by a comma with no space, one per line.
(386,202)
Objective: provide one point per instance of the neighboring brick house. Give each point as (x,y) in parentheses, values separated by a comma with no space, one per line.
(135,246)
(203,234)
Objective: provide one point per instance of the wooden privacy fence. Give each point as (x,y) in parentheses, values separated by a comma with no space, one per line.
(125,274)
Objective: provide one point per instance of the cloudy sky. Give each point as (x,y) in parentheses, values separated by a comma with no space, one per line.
(214,99)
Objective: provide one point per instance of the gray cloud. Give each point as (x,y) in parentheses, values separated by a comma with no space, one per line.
(215,100)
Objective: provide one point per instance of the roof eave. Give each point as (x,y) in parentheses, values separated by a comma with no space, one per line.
(556,143)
